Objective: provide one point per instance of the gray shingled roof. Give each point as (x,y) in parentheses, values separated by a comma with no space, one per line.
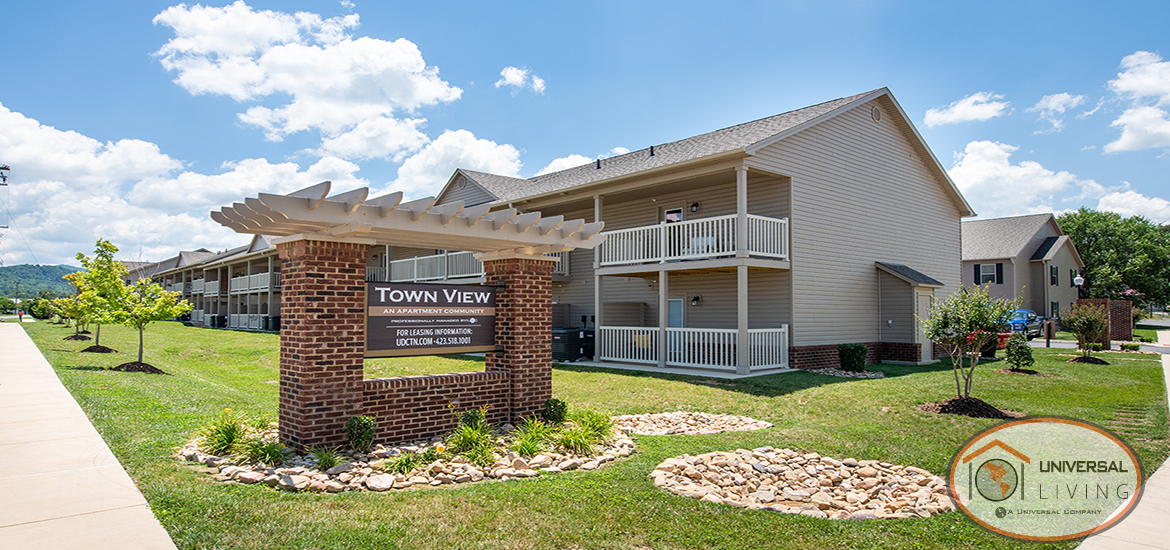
(711,143)
(910,274)
(1000,237)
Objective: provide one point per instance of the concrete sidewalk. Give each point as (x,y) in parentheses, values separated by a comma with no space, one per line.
(61,485)
(1146,526)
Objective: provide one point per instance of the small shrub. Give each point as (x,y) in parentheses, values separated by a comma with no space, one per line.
(481,456)
(1096,346)
(221,436)
(403,464)
(476,418)
(852,357)
(433,453)
(1018,353)
(468,437)
(326,458)
(1131,347)
(526,446)
(598,426)
(532,437)
(253,449)
(575,440)
(1088,322)
(360,431)
(555,410)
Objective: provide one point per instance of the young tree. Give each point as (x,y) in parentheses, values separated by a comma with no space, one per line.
(146,302)
(101,290)
(1089,322)
(962,324)
(71,309)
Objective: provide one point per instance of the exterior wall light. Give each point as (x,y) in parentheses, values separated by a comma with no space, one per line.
(1078,280)
(694,207)
(696,300)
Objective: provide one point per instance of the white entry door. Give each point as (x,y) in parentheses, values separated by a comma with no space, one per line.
(923,303)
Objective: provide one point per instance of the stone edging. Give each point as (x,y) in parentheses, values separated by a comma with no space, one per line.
(685,422)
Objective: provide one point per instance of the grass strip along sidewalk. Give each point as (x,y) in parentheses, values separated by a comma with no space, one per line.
(144,418)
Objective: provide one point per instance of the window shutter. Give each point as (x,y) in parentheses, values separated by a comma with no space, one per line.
(977,281)
(999,273)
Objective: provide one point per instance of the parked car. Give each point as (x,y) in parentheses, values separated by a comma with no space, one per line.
(1027,322)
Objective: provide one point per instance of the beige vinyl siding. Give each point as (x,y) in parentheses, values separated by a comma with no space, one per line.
(897,305)
(860,194)
(405,252)
(463,189)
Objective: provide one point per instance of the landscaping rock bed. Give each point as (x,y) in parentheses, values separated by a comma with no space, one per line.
(683,422)
(807,484)
(365,472)
(849,374)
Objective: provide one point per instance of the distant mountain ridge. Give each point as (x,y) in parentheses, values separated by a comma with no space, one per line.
(34,278)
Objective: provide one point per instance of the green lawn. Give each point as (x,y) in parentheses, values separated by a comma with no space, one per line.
(144,417)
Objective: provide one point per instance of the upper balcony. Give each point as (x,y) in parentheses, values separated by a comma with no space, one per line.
(446,266)
(703,239)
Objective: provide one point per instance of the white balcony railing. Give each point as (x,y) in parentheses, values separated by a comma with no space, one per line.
(211,288)
(705,348)
(453,265)
(196,316)
(197,286)
(694,240)
(234,320)
(628,344)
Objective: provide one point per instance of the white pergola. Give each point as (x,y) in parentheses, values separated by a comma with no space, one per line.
(312,213)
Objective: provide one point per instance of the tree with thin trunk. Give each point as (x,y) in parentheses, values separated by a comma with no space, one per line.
(147,302)
(963,323)
(100,286)
(1089,322)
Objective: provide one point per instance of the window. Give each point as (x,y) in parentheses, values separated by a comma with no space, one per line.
(673,215)
(1056,309)
(988,274)
(1054,276)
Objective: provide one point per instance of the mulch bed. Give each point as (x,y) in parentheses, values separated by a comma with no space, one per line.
(1091,360)
(1025,372)
(99,349)
(968,406)
(77,337)
(135,366)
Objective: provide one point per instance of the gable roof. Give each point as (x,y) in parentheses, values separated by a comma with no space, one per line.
(741,139)
(999,238)
(908,274)
(1048,249)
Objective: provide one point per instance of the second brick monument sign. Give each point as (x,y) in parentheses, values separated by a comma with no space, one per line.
(323,245)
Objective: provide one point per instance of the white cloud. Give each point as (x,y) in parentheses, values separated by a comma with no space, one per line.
(1145,81)
(564,163)
(520,78)
(1132,203)
(426,172)
(381,137)
(979,106)
(334,82)
(995,187)
(66,190)
(1052,108)
(1086,114)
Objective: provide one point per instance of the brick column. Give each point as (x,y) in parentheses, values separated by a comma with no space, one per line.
(322,340)
(523,327)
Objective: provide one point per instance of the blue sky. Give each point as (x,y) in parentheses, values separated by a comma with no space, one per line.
(132,120)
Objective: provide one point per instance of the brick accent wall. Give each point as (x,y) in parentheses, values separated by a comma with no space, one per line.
(901,351)
(414,407)
(523,319)
(821,357)
(322,340)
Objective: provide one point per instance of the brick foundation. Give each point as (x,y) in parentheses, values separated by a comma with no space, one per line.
(820,357)
(415,407)
(322,340)
(901,351)
(523,320)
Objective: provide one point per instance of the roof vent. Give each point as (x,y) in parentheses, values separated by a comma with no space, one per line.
(599,164)
(651,150)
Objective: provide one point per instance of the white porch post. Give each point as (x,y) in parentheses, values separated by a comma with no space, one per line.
(741,221)
(271,283)
(742,342)
(663,315)
(598,295)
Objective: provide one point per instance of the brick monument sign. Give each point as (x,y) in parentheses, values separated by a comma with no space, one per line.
(325,241)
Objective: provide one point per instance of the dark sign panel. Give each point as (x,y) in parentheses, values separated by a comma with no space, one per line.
(405,319)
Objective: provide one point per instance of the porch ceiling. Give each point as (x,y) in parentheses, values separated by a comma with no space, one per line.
(387,220)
